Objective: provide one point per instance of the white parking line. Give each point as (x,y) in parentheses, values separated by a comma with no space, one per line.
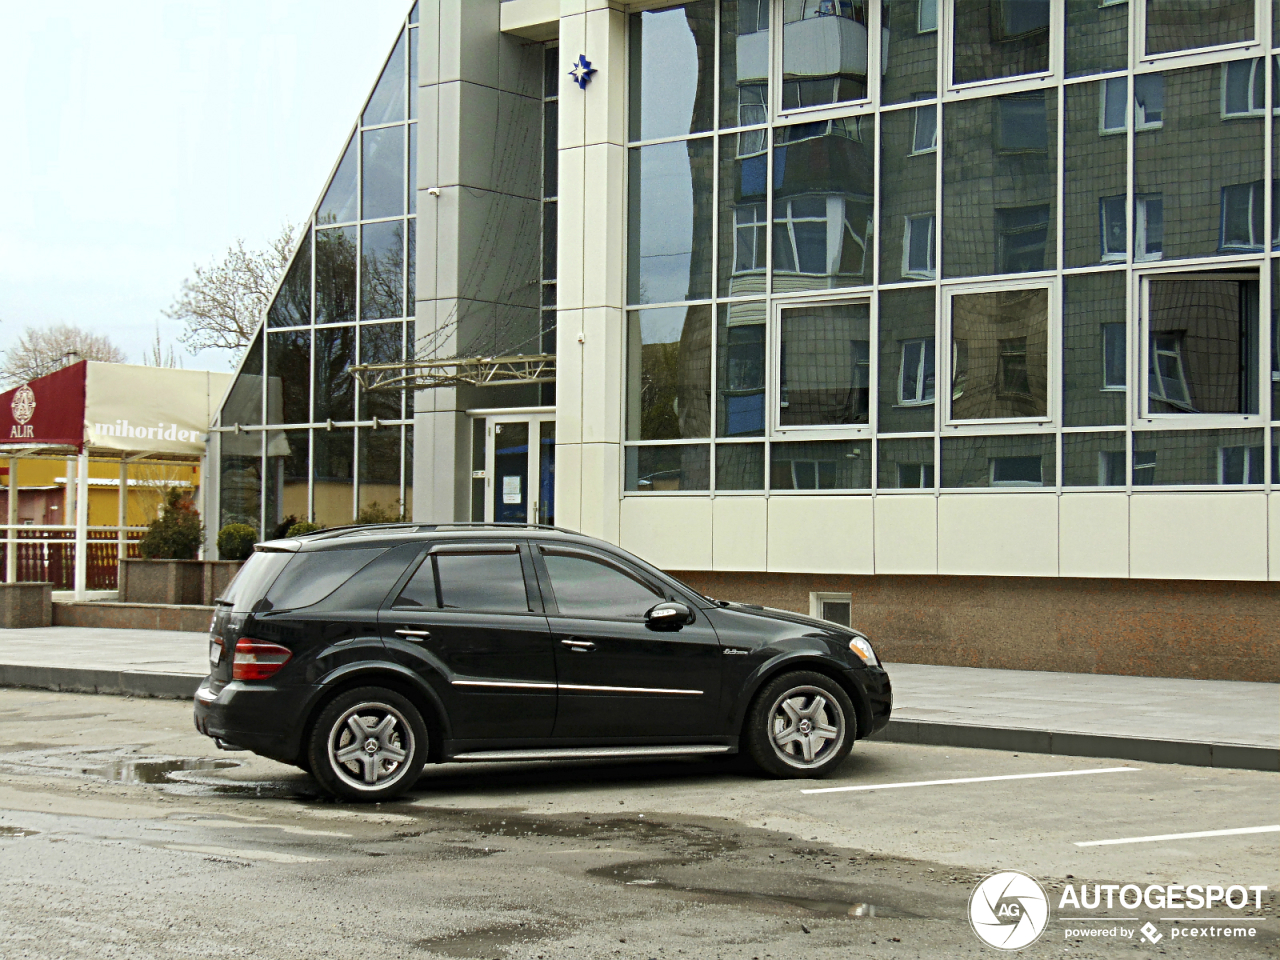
(937,783)
(1274,828)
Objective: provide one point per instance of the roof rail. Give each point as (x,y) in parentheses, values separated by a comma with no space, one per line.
(426,527)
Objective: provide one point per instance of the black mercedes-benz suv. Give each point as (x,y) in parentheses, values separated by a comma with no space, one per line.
(362,653)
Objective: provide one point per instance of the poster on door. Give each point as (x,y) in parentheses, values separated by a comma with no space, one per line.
(511,489)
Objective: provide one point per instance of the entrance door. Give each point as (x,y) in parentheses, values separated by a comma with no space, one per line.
(520,469)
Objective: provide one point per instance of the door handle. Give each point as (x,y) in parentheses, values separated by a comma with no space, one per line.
(414,634)
(579,646)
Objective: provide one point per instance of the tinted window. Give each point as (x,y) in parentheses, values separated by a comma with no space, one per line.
(310,577)
(586,587)
(492,582)
(253,579)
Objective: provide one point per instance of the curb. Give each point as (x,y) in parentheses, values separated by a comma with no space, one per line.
(125,683)
(1188,752)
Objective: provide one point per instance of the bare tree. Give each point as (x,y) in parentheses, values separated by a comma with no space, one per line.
(222,303)
(42,350)
(158,355)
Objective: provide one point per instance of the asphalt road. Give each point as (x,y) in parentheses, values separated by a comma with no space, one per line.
(124,833)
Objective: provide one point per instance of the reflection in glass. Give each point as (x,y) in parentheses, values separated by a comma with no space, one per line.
(907,360)
(382,174)
(240,484)
(333,475)
(289,377)
(1000,38)
(740,377)
(1200,169)
(244,403)
(386,105)
(1097,37)
(380,343)
(908,50)
(292,305)
(339,203)
(1094,350)
(1202,353)
(336,275)
(382,270)
(1095,170)
(547,472)
(413,76)
(739,466)
(824,52)
(820,465)
(1275,345)
(550,148)
(288,454)
(1179,25)
(823,185)
(906,464)
(408,470)
(744,62)
(999,354)
(908,187)
(1197,457)
(669,373)
(665,468)
(411,182)
(669,223)
(379,490)
(824,365)
(1093,460)
(672,63)
(999,461)
(333,389)
(744,224)
(999,191)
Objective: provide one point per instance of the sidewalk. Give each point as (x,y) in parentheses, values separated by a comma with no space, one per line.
(1216,723)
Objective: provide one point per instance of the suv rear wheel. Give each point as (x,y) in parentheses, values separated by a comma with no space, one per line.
(368,744)
(800,725)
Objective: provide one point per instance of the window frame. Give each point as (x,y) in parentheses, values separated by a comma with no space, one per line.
(817,599)
(1140,121)
(909,227)
(1251,453)
(992,482)
(1194,55)
(538,549)
(1257,89)
(921,380)
(932,146)
(1039,80)
(774,397)
(1107,346)
(780,112)
(1257,197)
(1104,89)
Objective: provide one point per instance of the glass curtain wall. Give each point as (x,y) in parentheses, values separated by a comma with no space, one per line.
(946,244)
(299,440)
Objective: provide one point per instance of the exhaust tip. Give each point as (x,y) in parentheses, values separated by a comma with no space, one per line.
(224,745)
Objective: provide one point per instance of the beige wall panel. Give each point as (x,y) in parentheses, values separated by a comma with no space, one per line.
(533,19)
(821,535)
(740,532)
(601,260)
(568,377)
(1274,527)
(673,533)
(1198,536)
(1093,535)
(601,354)
(568,484)
(573,109)
(600,484)
(570,227)
(906,534)
(1001,535)
(428,42)
(606,48)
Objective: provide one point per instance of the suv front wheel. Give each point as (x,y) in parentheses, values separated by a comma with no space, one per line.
(800,725)
(368,744)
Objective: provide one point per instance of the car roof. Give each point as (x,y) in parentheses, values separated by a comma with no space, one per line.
(391,533)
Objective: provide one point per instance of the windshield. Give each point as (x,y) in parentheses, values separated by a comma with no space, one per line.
(251,583)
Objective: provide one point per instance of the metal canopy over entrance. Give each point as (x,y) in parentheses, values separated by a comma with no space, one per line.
(475,371)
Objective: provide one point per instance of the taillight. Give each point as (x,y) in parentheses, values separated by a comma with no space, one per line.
(257,659)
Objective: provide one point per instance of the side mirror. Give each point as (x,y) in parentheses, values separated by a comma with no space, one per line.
(668,615)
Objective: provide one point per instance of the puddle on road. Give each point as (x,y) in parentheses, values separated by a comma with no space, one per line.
(486,941)
(153,770)
(11,833)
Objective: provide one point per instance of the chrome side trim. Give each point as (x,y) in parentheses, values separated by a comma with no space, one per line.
(507,684)
(590,689)
(587,753)
(583,688)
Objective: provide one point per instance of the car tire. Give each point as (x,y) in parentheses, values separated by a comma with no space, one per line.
(800,724)
(368,744)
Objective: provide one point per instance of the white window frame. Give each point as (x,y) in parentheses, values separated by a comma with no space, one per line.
(1106,348)
(816,601)
(1154,353)
(932,146)
(1257,196)
(911,223)
(774,398)
(1043,79)
(928,477)
(759,252)
(1140,121)
(920,8)
(1148,462)
(991,474)
(918,376)
(1104,94)
(1140,219)
(873,30)
(1104,464)
(1104,224)
(1257,85)
(1195,55)
(1250,454)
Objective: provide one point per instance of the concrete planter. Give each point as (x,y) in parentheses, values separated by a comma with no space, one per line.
(26,605)
(175,582)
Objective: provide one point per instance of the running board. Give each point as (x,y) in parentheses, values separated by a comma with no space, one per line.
(592,753)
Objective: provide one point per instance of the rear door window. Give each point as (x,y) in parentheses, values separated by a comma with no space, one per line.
(257,574)
(311,577)
(591,587)
(480,580)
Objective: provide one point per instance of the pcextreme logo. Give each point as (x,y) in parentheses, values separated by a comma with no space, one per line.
(1008,910)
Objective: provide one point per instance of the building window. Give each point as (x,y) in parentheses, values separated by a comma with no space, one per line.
(1022,125)
(749,237)
(925,137)
(1148,100)
(834,607)
(918,258)
(1240,465)
(824,52)
(1111,468)
(1144,468)
(999,354)
(1243,88)
(1168,381)
(915,376)
(1016,472)
(1022,236)
(1114,356)
(1148,226)
(915,476)
(1013,367)
(1112,228)
(801,235)
(824,365)
(1113,105)
(1242,228)
(752,110)
(926,16)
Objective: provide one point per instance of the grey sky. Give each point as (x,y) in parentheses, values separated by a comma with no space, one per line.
(142,138)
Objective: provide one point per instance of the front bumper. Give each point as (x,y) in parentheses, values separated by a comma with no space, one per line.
(879,692)
(258,717)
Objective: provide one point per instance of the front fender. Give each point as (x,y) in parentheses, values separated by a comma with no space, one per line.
(799,659)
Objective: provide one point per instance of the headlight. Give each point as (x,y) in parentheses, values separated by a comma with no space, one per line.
(862,648)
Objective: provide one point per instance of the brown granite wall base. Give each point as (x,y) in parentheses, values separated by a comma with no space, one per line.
(133,616)
(1197,629)
(25,605)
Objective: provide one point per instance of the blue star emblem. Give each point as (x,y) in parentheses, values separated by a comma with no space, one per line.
(582,71)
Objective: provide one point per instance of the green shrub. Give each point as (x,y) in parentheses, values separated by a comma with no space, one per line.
(298,529)
(377,513)
(177,533)
(236,540)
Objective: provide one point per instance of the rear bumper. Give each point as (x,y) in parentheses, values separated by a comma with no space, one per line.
(258,717)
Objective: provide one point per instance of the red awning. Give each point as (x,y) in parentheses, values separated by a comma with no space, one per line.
(48,411)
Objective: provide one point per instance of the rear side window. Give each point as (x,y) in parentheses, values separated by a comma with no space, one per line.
(257,574)
(311,577)
(479,582)
(587,587)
